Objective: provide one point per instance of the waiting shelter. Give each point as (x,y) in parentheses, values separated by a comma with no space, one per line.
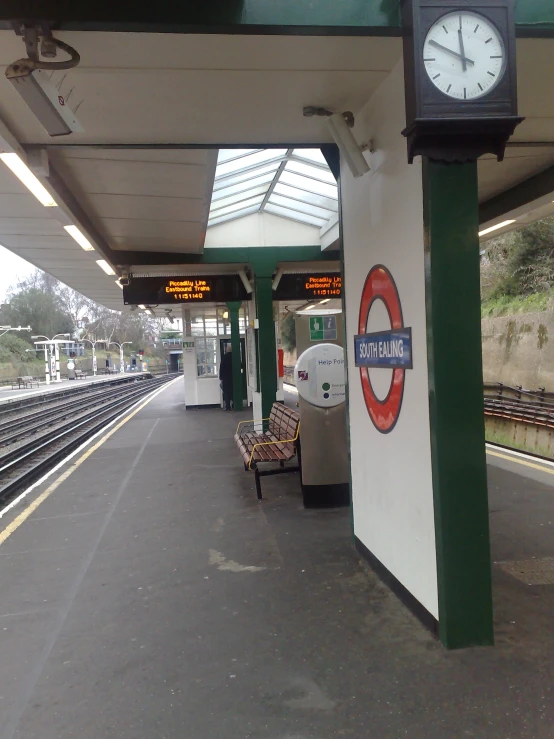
(233,148)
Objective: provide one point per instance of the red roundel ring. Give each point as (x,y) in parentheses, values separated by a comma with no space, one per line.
(380,285)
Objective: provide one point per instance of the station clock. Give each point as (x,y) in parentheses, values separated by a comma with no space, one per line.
(460,78)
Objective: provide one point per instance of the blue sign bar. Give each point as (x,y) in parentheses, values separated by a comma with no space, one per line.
(384,349)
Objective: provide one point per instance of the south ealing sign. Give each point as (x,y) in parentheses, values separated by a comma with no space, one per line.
(388,349)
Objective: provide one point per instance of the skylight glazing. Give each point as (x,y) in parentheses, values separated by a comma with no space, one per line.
(291,183)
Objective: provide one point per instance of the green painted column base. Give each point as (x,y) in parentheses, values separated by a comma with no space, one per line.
(456,404)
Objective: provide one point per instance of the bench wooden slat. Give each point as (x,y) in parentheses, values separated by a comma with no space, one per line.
(276,443)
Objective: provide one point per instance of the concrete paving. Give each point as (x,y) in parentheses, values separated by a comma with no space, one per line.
(151,597)
(7,393)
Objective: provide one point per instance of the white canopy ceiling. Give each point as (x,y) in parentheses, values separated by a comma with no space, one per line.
(152,90)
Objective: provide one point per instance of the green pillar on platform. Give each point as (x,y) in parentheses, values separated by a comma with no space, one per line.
(234,308)
(456,403)
(267,349)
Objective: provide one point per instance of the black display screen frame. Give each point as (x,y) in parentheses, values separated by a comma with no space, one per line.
(296,286)
(184,290)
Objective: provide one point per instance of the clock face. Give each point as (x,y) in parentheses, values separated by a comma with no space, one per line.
(464,55)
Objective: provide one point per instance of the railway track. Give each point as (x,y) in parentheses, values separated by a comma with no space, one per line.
(33,442)
(44,399)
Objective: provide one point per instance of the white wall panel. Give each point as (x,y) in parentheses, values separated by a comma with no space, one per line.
(391,473)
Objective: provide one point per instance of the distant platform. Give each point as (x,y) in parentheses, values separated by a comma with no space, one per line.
(7,394)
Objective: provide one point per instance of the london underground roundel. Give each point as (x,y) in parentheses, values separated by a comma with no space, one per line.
(387,349)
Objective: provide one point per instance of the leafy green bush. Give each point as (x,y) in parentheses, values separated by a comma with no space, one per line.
(520,264)
(288,332)
(13,349)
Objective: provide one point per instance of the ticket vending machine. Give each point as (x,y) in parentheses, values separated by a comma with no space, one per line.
(320,378)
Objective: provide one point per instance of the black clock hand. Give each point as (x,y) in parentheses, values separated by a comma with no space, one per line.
(464,60)
(450,51)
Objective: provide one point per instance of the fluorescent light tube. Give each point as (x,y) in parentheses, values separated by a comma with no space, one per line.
(105,266)
(324,301)
(24,174)
(79,237)
(495,228)
(142,307)
(118,283)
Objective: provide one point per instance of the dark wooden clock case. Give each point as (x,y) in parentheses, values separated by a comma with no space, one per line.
(441,127)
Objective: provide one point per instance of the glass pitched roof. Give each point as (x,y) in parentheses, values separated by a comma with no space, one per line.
(291,183)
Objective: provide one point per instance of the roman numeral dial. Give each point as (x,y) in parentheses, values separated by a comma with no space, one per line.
(464,55)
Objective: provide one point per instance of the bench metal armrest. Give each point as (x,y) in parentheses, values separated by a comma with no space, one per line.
(273,443)
(250,423)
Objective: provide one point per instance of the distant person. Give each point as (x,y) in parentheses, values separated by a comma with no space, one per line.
(226,377)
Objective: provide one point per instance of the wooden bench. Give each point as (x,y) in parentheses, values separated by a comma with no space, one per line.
(26,381)
(273,439)
(80,374)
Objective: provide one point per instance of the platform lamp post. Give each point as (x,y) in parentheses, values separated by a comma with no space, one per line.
(57,355)
(5,329)
(93,344)
(46,358)
(121,362)
(54,354)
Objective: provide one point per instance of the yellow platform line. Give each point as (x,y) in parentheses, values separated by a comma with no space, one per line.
(24,515)
(533,465)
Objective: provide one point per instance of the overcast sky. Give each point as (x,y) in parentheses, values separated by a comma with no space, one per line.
(12,269)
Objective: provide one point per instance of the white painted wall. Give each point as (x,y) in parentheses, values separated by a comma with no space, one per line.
(190,373)
(391,473)
(262,229)
(209,392)
(257,406)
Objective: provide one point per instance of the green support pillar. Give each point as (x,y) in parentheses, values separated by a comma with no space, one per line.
(234,308)
(267,349)
(456,404)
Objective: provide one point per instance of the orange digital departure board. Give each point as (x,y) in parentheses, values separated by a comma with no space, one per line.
(193,289)
(309,286)
(181,289)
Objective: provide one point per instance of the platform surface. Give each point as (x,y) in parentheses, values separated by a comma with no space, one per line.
(150,596)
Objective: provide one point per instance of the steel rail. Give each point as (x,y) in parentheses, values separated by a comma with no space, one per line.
(40,418)
(31,401)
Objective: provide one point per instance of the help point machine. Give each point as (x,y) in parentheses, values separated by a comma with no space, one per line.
(320,377)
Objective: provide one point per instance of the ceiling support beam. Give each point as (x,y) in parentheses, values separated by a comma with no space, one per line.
(539,186)
(275,179)
(275,17)
(225,255)
(534,18)
(170,146)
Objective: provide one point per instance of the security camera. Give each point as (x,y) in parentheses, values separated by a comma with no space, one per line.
(339,125)
(245,281)
(125,281)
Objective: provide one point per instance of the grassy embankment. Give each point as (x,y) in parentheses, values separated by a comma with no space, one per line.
(509,306)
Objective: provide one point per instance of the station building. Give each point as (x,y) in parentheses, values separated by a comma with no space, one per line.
(209,152)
